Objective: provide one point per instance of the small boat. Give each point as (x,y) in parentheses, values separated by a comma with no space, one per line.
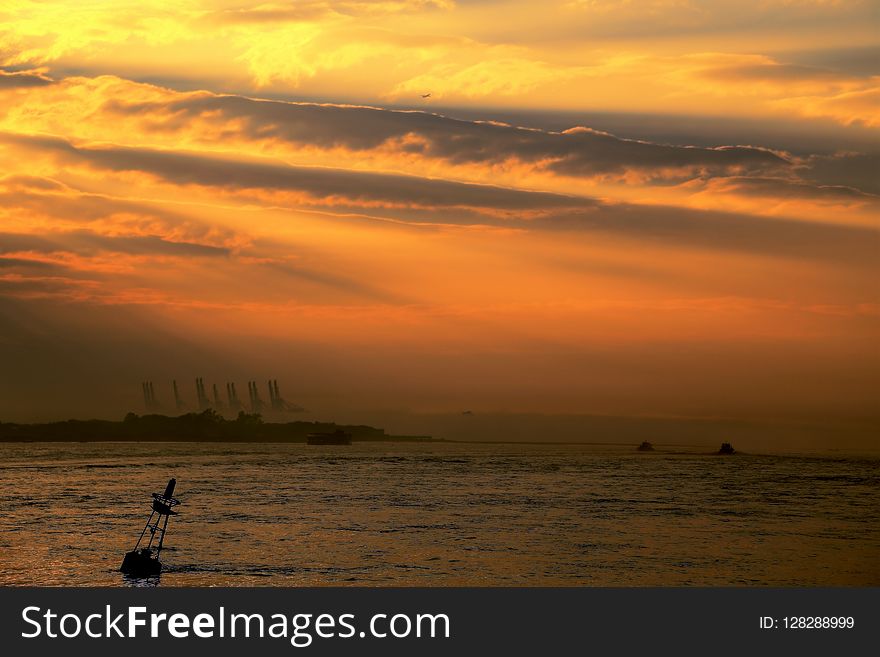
(645,447)
(726,448)
(338,437)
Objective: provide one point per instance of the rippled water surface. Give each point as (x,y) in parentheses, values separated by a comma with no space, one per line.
(440,514)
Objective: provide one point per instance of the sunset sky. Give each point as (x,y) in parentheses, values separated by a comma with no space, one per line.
(651,208)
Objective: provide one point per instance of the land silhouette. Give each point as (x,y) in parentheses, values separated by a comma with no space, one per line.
(206,426)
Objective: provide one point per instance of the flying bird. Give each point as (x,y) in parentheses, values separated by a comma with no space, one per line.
(427,95)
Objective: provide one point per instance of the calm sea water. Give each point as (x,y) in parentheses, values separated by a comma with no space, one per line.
(440,514)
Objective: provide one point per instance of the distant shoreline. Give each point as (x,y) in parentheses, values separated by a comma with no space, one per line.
(205,427)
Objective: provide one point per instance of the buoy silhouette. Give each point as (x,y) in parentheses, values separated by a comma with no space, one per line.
(144,561)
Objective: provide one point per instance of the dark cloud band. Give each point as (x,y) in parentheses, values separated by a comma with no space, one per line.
(574,152)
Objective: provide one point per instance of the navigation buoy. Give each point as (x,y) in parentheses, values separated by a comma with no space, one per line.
(144,561)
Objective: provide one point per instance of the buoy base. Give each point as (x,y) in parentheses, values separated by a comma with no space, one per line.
(140,563)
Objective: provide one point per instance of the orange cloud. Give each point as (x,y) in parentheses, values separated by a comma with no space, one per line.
(388,243)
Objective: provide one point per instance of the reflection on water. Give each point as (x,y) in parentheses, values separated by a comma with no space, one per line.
(447,514)
(141,582)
